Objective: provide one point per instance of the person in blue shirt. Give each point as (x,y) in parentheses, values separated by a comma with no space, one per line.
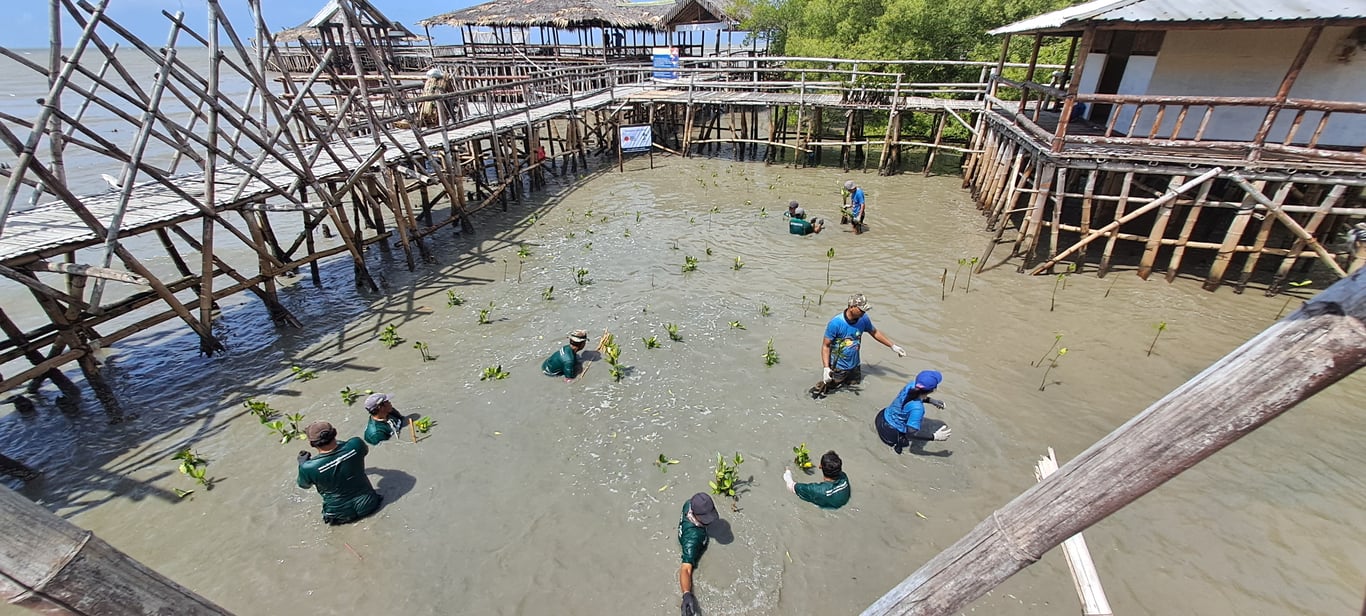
(840,348)
(854,207)
(901,420)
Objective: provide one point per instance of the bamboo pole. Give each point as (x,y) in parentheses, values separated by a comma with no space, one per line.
(1264,229)
(1285,219)
(1335,195)
(1183,240)
(1229,246)
(1164,215)
(1126,185)
(1316,346)
(1079,563)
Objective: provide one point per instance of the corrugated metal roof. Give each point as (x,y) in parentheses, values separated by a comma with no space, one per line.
(1112,12)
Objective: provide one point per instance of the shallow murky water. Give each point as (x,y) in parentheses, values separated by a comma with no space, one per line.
(533,496)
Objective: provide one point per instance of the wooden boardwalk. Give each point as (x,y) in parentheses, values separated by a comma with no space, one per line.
(747,98)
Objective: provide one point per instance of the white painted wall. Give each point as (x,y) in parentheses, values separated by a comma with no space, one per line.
(1253,63)
(1138,74)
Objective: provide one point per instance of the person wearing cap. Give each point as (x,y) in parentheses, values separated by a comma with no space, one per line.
(565,362)
(698,512)
(840,347)
(1357,234)
(853,202)
(797,223)
(338,472)
(832,493)
(385,421)
(900,422)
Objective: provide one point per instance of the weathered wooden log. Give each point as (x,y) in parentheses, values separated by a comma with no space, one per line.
(54,567)
(1079,562)
(92,271)
(1316,346)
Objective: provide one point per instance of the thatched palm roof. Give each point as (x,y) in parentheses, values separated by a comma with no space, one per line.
(331,16)
(558,14)
(686,12)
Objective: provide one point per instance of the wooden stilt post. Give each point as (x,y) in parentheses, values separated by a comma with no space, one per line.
(1126,184)
(1232,237)
(1174,266)
(1335,196)
(1164,214)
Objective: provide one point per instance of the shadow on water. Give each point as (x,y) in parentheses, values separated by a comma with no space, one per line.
(391,483)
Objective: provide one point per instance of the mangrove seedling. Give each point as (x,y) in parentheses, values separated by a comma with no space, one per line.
(571,235)
(829,259)
(764,310)
(261,410)
(611,351)
(1053,299)
(674,246)
(672,330)
(194,467)
(1161,327)
(349,396)
(803,459)
(484,314)
(663,463)
(737,325)
(549,293)
(1110,286)
(770,355)
(581,277)
(1289,299)
(727,475)
(422,348)
(806,305)
(1071,268)
(763,212)
(961,263)
(424,425)
(972,265)
(453,300)
(738,264)
(182,493)
(689,264)
(1056,339)
(588,247)
(389,336)
(303,374)
(637,216)
(505,270)
(626,233)
(692,220)
(944,277)
(651,342)
(494,373)
(709,251)
(1051,365)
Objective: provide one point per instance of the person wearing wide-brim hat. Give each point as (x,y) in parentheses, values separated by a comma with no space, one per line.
(840,347)
(565,362)
(338,472)
(698,512)
(385,421)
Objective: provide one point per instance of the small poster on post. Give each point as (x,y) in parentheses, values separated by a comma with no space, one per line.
(636,138)
(665,62)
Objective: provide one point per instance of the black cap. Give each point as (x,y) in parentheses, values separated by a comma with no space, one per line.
(703,509)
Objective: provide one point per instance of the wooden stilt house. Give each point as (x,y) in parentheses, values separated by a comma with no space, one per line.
(398,47)
(1217,139)
(560,31)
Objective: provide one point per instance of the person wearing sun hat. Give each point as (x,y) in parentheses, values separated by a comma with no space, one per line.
(840,347)
(338,473)
(901,420)
(698,512)
(797,223)
(565,362)
(385,421)
(853,210)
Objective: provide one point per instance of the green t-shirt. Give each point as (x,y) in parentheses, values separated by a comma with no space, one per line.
(826,494)
(339,476)
(377,432)
(799,226)
(691,537)
(562,362)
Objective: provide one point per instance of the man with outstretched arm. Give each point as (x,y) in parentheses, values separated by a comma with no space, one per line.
(900,422)
(338,472)
(698,512)
(840,348)
(832,493)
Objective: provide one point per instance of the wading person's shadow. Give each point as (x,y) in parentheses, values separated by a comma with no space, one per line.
(918,447)
(392,484)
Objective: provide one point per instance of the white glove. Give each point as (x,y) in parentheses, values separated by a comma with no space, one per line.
(787,479)
(900,352)
(943,433)
(825,376)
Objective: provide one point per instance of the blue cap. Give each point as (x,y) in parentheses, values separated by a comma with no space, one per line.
(928,380)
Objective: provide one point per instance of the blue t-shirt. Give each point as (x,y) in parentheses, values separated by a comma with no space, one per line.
(844,340)
(856,202)
(905,415)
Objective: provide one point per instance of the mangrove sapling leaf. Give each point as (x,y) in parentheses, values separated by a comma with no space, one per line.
(637,216)
(570,235)
(708,251)
(484,314)
(770,355)
(1289,299)
(424,425)
(549,293)
(588,247)
(1056,339)
(452,299)
(389,336)
(422,348)
(689,264)
(736,325)
(1051,365)
(1053,299)
(972,265)
(672,330)
(651,342)
(803,458)
(726,476)
(738,264)
(303,374)
(626,233)
(764,310)
(349,396)
(1161,327)
(663,463)
(961,263)
(182,493)
(829,259)
(763,212)
(494,373)
(523,252)
(581,277)
(260,410)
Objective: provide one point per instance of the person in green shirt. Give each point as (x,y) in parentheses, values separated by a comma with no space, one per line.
(565,362)
(385,421)
(698,512)
(832,493)
(797,223)
(338,472)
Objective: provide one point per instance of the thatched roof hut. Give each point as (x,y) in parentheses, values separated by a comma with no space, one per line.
(330,18)
(563,14)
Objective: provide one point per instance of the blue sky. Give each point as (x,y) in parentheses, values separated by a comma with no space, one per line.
(28,19)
